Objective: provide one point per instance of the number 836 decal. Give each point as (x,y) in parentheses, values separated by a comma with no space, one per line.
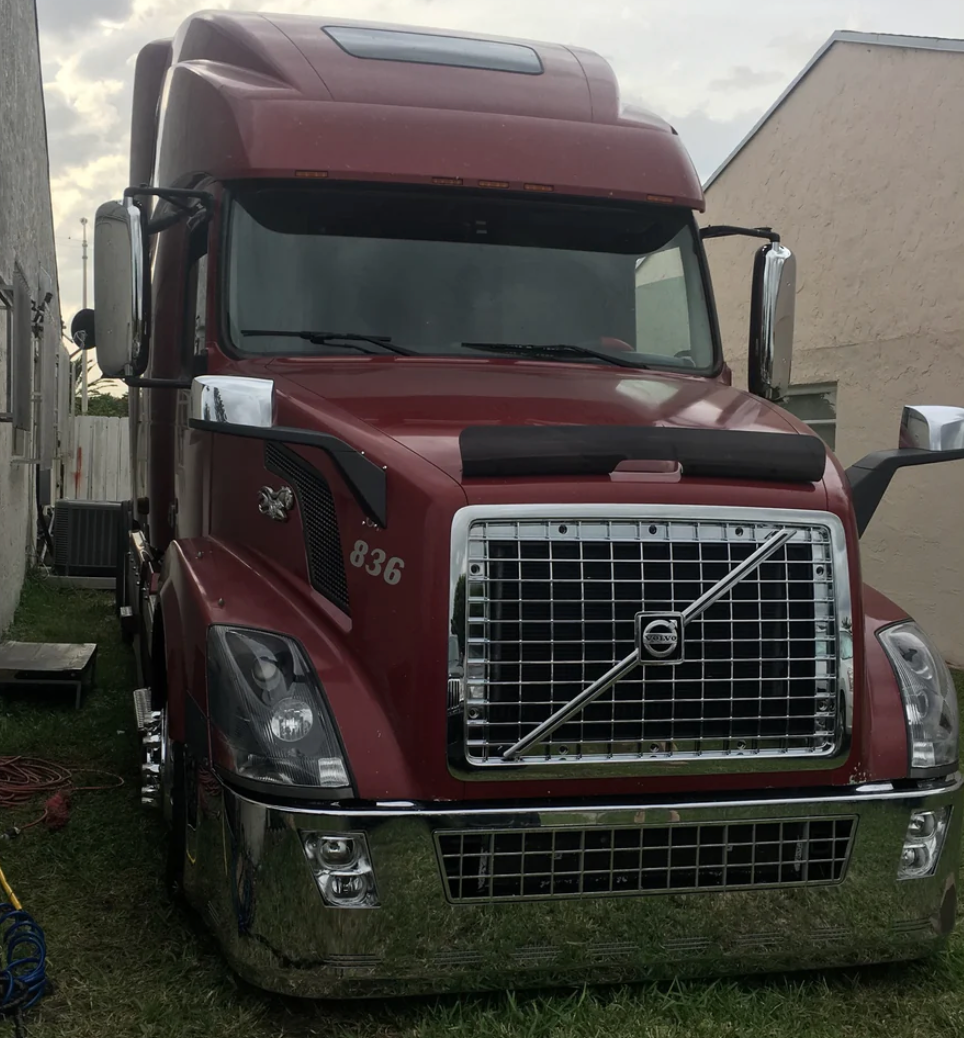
(376,562)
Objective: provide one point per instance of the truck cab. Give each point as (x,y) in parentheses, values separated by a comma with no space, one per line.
(489,635)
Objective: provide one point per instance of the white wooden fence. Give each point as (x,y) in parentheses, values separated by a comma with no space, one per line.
(97,465)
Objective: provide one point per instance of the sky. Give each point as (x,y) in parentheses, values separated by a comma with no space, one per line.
(711,67)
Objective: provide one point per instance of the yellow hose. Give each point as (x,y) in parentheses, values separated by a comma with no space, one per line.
(10,894)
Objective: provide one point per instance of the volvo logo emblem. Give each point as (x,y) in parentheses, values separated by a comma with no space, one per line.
(659,637)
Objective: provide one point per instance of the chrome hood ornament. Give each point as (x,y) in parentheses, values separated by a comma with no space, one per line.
(276,504)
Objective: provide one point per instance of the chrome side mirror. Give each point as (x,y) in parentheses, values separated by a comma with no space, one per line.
(931,427)
(233,400)
(771,321)
(120,327)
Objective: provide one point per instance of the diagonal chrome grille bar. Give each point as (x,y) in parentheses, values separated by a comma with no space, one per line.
(621,669)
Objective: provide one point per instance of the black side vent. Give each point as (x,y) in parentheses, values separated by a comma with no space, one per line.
(326,564)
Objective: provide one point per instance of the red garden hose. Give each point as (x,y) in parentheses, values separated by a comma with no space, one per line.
(24,778)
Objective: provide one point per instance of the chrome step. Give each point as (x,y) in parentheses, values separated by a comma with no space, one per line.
(142,709)
(152,741)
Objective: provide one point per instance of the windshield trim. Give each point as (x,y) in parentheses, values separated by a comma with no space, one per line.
(229,347)
(709,296)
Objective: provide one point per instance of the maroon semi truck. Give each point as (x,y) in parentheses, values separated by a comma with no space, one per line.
(471,661)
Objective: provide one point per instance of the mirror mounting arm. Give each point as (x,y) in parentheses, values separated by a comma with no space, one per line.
(197,207)
(870,477)
(157,383)
(729,231)
(928,433)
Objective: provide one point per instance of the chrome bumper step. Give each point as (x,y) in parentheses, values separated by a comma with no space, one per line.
(149,725)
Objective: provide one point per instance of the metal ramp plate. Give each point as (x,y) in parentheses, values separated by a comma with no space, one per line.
(47,666)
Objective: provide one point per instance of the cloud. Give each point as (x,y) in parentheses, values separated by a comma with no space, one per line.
(112,50)
(67,138)
(91,100)
(798,48)
(711,140)
(742,77)
(65,17)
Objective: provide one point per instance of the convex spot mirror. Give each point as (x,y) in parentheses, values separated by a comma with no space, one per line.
(120,332)
(82,329)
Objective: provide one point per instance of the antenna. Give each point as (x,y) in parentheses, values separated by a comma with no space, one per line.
(84,364)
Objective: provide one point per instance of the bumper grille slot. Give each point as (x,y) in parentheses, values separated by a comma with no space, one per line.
(551,606)
(540,864)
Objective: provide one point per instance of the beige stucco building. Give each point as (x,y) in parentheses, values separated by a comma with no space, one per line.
(34,369)
(860,166)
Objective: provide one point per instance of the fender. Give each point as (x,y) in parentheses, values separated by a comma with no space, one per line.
(208,581)
(884,754)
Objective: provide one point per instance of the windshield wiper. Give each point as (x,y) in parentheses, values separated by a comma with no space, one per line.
(331,338)
(556,349)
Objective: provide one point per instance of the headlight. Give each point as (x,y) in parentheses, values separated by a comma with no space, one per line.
(270,717)
(930,699)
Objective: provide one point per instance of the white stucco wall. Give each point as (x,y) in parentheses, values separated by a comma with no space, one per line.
(861,170)
(27,239)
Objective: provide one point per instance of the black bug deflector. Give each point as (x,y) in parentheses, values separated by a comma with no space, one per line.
(582,450)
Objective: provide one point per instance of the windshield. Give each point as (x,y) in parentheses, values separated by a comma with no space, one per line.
(462,272)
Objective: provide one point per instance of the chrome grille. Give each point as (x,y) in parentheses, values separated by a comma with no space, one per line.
(537,864)
(550,606)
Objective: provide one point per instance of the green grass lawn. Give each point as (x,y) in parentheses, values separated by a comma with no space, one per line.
(125,963)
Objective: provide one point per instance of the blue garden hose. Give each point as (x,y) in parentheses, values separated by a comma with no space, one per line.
(23,970)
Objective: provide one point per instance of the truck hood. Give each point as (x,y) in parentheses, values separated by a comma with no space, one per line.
(425,404)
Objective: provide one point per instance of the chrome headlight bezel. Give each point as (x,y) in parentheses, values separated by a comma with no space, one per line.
(929,698)
(924,843)
(329,873)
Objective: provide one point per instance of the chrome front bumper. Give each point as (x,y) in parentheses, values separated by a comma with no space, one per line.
(248,874)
